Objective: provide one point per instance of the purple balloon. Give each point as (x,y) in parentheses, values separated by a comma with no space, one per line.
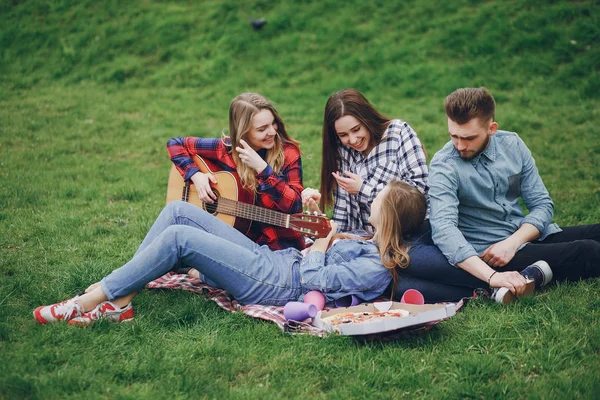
(299,311)
(347,301)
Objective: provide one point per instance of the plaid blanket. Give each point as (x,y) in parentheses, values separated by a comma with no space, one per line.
(268,313)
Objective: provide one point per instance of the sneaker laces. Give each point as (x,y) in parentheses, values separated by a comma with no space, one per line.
(99,312)
(67,309)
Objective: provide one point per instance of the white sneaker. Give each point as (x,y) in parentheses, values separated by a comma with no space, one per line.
(503,295)
(105,310)
(537,274)
(64,311)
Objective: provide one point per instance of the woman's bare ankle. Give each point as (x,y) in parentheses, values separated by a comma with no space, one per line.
(91,299)
(92,287)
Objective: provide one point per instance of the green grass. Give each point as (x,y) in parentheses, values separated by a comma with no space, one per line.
(91,91)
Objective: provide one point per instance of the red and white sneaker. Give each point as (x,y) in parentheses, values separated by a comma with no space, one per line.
(64,311)
(105,310)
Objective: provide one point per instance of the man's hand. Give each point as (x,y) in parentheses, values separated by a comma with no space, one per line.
(250,157)
(512,280)
(202,182)
(351,184)
(499,254)
(310,197)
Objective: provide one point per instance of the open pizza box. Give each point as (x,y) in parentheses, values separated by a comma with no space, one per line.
(417,315)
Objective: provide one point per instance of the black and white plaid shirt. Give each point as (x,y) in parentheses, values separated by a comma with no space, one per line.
(399,155)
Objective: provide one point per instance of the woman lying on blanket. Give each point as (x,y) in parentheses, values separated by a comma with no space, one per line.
(185,235)
(265,157)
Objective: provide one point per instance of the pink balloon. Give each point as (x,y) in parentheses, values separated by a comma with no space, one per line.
(315,297)
(412,296)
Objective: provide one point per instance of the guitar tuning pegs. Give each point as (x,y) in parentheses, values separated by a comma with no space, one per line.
(323,215)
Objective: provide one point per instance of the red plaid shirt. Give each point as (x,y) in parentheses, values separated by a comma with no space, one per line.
(279,192)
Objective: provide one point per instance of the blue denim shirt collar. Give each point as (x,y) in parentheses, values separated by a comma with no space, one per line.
(491,150)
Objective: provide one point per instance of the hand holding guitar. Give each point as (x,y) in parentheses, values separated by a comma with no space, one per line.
(202,182)
(250,157)
(310,197)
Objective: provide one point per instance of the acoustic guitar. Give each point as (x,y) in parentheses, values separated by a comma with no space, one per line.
(235,205)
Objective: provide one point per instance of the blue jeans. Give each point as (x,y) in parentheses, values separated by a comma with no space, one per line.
(185,235)
(430,273)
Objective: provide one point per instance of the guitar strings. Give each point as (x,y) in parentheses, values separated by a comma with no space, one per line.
(259,214)
(251,211)
(246,211)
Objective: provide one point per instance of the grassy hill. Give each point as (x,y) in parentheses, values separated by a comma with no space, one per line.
(91,91)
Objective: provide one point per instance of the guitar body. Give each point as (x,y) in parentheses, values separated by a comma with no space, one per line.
(228,186)
(235,205)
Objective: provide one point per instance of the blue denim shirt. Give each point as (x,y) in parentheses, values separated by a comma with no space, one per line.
(349,267)
(475,203)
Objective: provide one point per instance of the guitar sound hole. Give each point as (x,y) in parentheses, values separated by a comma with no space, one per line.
(212,208)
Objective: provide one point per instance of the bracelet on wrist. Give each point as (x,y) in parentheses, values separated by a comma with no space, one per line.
(490,278)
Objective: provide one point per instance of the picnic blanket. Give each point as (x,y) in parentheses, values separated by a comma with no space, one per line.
(274,314)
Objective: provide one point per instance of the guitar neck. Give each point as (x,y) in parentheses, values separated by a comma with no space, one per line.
(252,212)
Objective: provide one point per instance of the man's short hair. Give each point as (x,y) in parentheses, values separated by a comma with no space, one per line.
(464,104)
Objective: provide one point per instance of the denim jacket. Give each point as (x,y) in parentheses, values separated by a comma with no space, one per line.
(349,267)
(475,203)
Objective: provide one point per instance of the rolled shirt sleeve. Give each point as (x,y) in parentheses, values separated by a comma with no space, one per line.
(283,191)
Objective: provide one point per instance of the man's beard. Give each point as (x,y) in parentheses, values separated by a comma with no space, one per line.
(481,150)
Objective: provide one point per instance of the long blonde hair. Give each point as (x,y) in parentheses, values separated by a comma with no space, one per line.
(241,111)
(402,212)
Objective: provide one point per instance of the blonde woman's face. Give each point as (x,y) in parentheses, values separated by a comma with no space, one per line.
(375,216)
(262,131)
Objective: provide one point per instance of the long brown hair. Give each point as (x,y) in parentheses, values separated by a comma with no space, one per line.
(342,103)
(241,111)
(402,212)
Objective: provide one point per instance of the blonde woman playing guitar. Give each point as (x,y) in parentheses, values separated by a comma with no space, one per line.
(261,155)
